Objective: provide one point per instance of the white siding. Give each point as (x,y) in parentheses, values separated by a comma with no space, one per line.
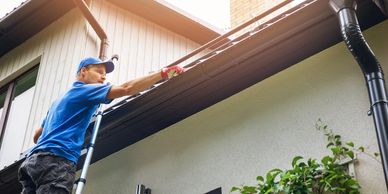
(143,47)
(258,129)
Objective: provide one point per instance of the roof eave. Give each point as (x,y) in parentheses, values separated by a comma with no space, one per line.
(29,19)
(33,16)
(171,18)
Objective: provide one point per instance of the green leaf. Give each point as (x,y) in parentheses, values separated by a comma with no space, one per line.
(338,142)
(276,170)
(260,178)
(354,186)
(302,164)
(269,191)
(329,144)
(249,189)
(362,149)
(350,154)
(336,150)
(234,189)
(286,176)
(295,160)
(349,143)
(269,178)
(325,160)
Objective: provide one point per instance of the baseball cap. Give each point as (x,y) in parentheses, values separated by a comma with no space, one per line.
(109,66)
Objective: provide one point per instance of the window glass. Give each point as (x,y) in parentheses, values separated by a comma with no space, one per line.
(15,130)
(25,82)
(3,93)
(16,126)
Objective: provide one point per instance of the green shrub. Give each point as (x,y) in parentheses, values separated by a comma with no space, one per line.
(328,175)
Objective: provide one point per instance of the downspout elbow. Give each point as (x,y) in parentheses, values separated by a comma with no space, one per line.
(373,73)
(352,35)
(83,7)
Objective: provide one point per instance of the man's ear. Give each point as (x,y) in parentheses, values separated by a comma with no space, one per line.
(83,71)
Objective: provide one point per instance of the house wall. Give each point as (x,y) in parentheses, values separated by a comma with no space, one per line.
(244,10)
(258,129)
(143,47)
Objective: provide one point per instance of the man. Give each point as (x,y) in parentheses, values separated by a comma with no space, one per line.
(50,166)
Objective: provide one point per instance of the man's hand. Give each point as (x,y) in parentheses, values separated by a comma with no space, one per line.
(169,72)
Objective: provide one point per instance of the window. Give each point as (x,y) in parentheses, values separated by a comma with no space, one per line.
(15,105)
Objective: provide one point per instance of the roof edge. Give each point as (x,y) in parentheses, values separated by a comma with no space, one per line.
(171,18)
(16,27)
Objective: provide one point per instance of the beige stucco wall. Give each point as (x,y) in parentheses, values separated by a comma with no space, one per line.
(258,129)
(143,47)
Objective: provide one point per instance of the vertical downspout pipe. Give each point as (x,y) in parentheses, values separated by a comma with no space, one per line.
(103,56)
(83,7)
(374,76)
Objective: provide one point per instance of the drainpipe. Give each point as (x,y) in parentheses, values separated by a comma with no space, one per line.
(374,76)
(103,56)
(83,7)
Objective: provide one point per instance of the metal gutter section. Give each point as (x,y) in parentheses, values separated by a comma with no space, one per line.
(374,76)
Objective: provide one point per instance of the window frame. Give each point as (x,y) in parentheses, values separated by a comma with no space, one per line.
(6,108)
(11,86)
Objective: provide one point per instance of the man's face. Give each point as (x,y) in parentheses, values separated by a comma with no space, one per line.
(92,74)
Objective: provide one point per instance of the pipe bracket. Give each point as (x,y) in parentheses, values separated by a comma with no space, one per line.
(374,104)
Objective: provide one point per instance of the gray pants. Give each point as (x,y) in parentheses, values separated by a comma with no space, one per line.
(44,172)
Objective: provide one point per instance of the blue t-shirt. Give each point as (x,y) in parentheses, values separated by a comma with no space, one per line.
(66,121)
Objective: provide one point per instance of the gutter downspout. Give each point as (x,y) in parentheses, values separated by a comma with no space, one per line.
(103,56)
(83,7)
(374,76)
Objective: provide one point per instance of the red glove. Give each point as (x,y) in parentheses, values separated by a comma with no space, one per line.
(169,72)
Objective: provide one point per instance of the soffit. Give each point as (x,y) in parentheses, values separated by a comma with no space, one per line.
(34,15)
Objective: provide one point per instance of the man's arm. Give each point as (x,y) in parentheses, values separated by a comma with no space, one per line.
(140,84)
(37,134)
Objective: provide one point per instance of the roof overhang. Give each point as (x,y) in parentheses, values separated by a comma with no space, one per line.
(287,41)
(269,50)
(383,5)
(171,18)
(29,19)
(34,15)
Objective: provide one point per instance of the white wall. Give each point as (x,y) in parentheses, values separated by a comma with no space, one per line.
(143,47)
(260,128)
